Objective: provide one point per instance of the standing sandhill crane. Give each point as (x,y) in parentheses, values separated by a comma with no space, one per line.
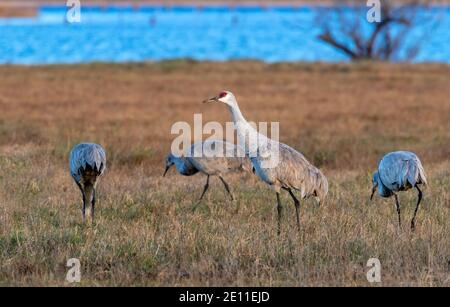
(212,158)
(291,171)
(87,164)
(399,171)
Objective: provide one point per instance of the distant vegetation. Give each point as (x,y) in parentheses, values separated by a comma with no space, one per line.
(345,28)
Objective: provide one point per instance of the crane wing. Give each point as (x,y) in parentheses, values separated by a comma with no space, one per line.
(398,170)
(296,172)
(86,154)
(213,156)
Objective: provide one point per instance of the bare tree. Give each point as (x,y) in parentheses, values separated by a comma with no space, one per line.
(395,36)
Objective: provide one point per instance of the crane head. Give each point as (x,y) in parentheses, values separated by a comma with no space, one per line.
(169,163)
(225,97)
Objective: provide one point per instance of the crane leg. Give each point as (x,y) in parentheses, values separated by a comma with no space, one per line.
(226,187)
(205,188)
(279,210)
(397,204)
(83,209)
(297,207)
(413,221)
(93,205)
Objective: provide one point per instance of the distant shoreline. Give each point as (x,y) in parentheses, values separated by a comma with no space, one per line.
(163,2)
(184,2)
(37,3)
(25,3)
(28,8)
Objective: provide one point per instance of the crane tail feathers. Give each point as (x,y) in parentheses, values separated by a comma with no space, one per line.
(421,174)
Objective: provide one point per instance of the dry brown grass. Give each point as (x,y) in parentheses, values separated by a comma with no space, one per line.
(342,117)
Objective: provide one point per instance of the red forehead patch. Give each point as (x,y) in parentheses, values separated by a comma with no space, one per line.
(223,94)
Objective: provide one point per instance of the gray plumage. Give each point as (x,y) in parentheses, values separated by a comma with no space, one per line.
(291,171)
(399,171)
(212,158)
(87,163)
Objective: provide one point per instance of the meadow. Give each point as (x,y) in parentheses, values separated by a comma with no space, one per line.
(151,230)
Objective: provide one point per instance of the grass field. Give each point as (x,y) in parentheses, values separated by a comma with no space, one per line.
(151,231)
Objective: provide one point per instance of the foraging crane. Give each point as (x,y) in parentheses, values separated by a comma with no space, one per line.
(212,158)
(275,163)
(87,164)
(399,171)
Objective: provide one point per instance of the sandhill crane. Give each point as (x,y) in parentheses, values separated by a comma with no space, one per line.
(87,164)
(291,171)
(399,171)
(212,158)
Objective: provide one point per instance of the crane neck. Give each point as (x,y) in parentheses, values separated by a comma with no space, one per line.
(236,114)
(383,190)
(249,138)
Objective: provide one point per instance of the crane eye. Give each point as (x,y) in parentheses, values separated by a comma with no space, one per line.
(223,94)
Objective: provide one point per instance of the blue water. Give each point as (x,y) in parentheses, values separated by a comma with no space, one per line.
(212,33)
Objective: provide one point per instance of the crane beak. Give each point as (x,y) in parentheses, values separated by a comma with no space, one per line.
(373,192)
(212,99)
(165,172)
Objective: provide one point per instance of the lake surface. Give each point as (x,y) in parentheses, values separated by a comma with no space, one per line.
(212,33)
